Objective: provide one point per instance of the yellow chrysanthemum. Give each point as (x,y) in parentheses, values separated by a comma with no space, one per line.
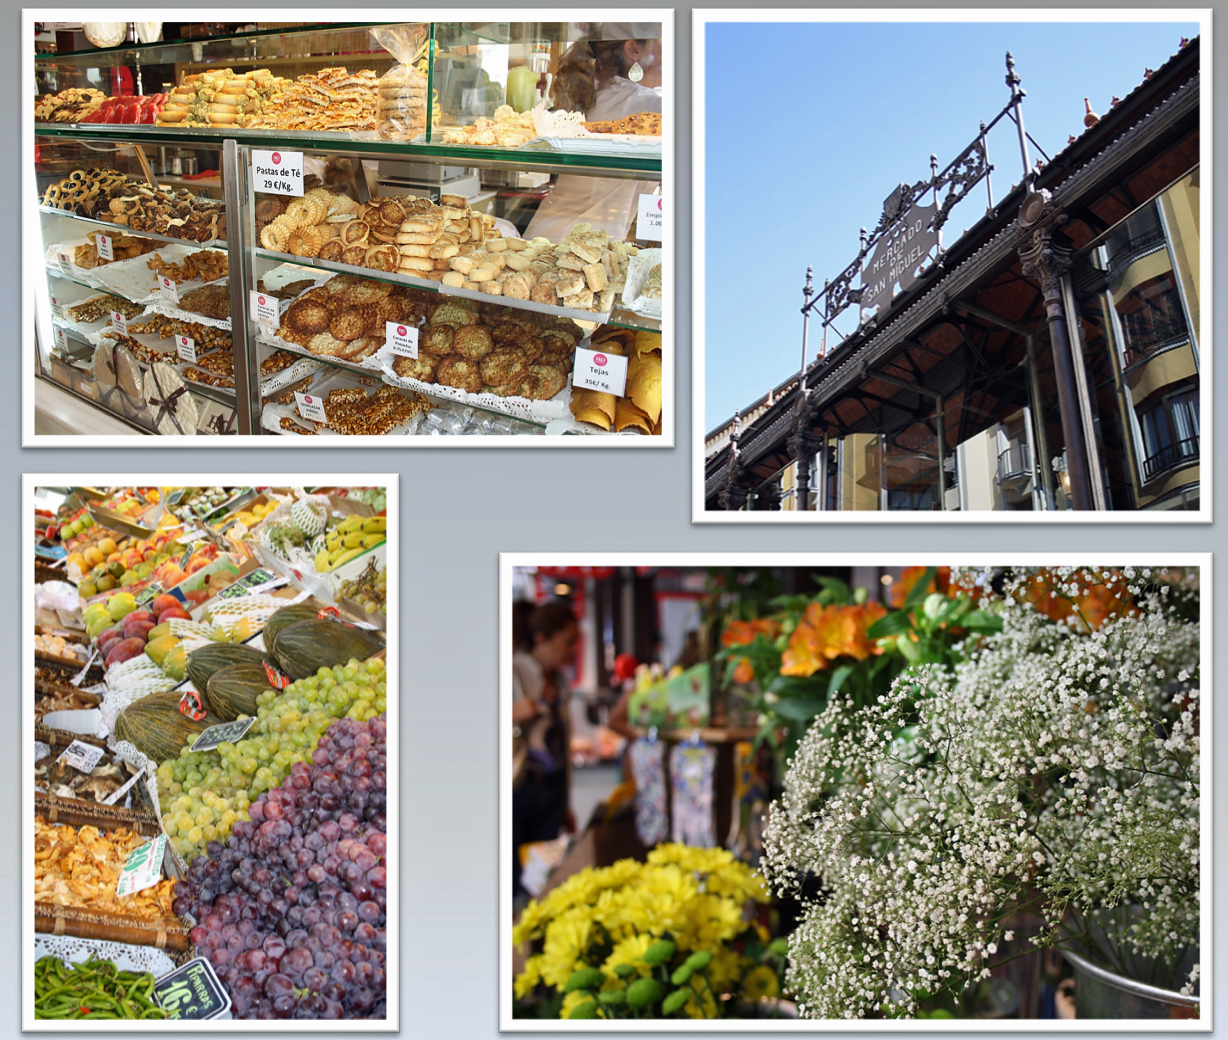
(572,1001)
(567,938)
(702,1002)
(630,951)
(528,978)
(760,983)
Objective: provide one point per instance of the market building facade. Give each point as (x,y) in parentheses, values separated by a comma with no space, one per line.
(1048,360)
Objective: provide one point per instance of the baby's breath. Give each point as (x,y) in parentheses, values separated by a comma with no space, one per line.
(1055,770)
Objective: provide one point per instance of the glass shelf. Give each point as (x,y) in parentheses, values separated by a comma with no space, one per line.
(361,144)
(123,229)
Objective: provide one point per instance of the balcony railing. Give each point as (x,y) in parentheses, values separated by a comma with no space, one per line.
(1015,464)
(1179,453)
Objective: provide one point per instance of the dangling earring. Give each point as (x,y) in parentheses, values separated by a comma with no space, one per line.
(635,73)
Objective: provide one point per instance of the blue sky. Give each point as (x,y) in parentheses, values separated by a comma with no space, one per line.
(811,126)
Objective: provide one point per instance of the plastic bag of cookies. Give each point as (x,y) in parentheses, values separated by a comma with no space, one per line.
(401,106)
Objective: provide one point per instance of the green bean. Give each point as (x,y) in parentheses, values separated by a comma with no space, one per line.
(95,988)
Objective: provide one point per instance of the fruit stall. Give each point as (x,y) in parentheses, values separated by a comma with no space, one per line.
(210,785)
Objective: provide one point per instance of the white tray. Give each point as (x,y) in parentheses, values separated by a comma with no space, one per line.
(134,280)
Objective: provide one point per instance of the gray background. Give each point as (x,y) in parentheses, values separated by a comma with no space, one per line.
(458,511)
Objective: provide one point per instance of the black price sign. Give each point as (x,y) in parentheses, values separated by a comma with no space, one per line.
(192,992)
(148,594)
(249,581)
(226,733)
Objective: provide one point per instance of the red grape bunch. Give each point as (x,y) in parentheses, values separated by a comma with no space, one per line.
(292,911)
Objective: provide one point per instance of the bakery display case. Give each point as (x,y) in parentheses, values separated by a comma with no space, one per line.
(358,230)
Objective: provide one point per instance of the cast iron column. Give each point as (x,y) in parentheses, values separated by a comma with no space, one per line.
(1047,260)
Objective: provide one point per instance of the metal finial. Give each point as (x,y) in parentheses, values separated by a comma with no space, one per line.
(1012,77)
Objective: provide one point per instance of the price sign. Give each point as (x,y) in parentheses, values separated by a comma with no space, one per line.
(61,339)
(651,218)
(251,584)
(117,795)
(169,289)
(186,347)
(192,992)
(311,407)
(57,308)
(82,757)
(226,733)
(66,264)
(148,594)
(278,173)
(403,339)
(597,370)
(104,245)
(263,309)
(143,867)
(120,322)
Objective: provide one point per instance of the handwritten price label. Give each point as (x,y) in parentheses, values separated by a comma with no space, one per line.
(651,218)
(277,172)
(105,248)
(169,289)
(61,339)
(403,339)
(57,308)
(264,309)
(596,370)
(186,348)
(82,757)
(310,407)
(143,868)
(66,264)
(120,322)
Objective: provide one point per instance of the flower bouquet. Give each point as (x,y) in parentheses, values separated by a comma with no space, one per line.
(1054,771)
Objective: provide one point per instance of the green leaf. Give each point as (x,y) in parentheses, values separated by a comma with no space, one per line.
(659,952)
(918,592)
(780,947)
(612,997)
(840,592)
(837,679)
(799,708)
(767,732)
(891,625)
(643,992)
(675,1001)
(585,978)
(624,971)
(981,621)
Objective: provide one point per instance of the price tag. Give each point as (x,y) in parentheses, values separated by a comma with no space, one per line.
(226,733)
(311,407)
(186,347)
(278,173)
(263,309)
(169,288)
(252,584)
(103,244)
(191,992)
(596,370)
(651,218)
(82,757)
(120,322)
(117,795)
(61,339)
(66,264)
(143,868)
(403,339)
(57,308)
(148,594)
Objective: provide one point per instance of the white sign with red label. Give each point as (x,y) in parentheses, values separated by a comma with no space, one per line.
(56,307)
(597,370)
(120,322)
(264,309)
(277,172)
(651,218)
(66,264)
(311,407)
(61,339)
(103,243)
(403,339)
(169,288)
(186,347)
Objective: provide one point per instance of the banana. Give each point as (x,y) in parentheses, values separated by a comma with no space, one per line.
(353,540)
(349,554)
(375,524)
(350,523)
(370,541)
(322,561)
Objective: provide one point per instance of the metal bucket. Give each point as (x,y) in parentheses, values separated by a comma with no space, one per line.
(1099,993)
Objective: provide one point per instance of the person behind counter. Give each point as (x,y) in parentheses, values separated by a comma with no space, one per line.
(541,802)
(604,76)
